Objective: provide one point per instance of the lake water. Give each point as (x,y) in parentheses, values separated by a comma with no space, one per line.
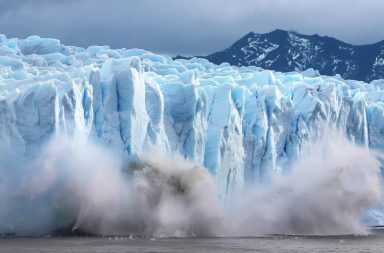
(271,244)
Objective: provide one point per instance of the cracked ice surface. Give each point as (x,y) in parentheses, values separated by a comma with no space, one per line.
(241,123)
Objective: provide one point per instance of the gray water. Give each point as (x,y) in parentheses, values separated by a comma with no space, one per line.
(271,244)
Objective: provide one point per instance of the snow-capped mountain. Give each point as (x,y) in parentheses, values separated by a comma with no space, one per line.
(241,123)
(291,51)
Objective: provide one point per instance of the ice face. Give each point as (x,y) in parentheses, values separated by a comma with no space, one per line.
(242,124)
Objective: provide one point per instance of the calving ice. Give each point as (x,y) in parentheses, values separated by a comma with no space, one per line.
(245,125)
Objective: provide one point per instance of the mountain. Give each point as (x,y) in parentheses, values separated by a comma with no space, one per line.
(290,51)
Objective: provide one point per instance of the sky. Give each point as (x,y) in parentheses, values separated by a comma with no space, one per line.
(188,27)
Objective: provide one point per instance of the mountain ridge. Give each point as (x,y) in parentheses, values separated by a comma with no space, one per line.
(287,51)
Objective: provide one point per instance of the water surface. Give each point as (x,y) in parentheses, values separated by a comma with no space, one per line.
(271,244)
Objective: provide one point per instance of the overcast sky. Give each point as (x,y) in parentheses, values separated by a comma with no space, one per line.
(189,27)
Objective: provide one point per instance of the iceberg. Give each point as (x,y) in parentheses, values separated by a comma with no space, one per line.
(241,123)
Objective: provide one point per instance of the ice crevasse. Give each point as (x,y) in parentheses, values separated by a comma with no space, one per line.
(241,123)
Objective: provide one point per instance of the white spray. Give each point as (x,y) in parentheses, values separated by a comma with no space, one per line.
(326,192)
(82,185)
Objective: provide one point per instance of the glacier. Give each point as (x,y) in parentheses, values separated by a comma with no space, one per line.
(241,123)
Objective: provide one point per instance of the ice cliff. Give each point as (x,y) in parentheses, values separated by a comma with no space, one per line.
(241,123)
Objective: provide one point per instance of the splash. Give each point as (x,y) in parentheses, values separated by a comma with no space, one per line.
(161,197)
(326,193)
(83,186)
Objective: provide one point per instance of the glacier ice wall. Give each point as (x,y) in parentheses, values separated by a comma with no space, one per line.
(240,123)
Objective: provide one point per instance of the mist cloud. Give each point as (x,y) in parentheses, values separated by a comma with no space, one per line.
(80,186)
